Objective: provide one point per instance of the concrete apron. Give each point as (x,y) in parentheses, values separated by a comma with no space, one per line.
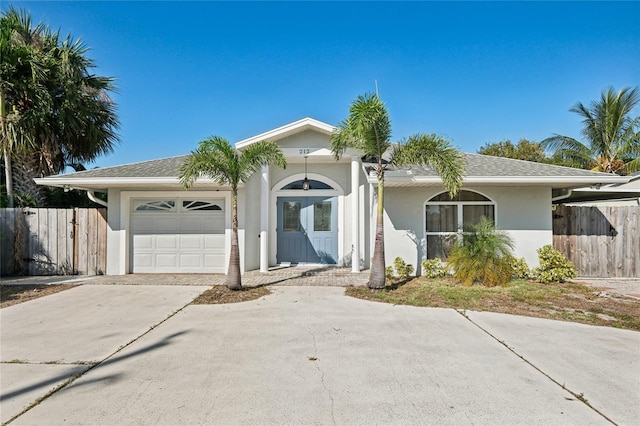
(310,355)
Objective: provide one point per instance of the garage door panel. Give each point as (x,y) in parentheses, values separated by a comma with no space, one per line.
(143,260)
(165,225)
(192,260)
(167,242)
(144,242)
(214,261)
(194,242)
(166,260)
(214,241)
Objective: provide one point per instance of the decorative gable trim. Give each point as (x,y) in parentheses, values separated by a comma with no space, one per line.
(299,126)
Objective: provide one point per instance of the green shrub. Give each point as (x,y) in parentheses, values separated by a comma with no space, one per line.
(554,266)
(388,272)
(519,267)
(434,268)
(402,269)
(482,255)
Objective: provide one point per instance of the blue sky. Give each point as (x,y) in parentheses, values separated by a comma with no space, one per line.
(475,72)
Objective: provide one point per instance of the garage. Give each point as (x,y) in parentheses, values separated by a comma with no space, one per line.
(177,235)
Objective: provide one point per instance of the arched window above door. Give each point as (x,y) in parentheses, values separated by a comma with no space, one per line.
(313,184)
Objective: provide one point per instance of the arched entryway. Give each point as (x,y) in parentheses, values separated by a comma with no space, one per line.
(308,220)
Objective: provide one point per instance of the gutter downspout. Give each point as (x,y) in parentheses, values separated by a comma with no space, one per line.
(92,196)
(562,197)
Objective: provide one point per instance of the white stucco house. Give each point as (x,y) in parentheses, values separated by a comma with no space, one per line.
(156,226)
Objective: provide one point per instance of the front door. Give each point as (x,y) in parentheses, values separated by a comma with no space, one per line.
(307,230)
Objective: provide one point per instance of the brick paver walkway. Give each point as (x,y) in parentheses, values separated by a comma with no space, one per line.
(290,276)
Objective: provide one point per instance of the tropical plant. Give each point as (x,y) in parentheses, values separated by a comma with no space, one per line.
(611,135)
(217,159)
(554,266)
(402,269)
(519,267)
(434,268)
(54,111)
(367,129)
(482,255)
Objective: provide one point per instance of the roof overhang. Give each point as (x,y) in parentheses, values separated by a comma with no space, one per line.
(125,183)
(402,178)
(288,130)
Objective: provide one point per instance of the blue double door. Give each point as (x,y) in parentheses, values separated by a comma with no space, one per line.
(307,230)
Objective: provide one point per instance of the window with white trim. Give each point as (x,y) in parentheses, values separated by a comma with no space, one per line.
(154,206)
(177,206)
(446,216)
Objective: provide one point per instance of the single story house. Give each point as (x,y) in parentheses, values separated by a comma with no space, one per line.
(155,226)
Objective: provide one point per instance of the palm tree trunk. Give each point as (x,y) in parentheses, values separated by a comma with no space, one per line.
(234,280)
(25,167)
(5,151)
(377,277)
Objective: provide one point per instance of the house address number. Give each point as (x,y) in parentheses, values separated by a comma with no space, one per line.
(304,151)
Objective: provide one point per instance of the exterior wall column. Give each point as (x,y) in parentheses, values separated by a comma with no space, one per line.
(355,215)
(264,219)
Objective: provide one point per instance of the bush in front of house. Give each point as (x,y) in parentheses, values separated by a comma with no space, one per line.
(403,270)
(554,266)
(519,267)
(388,273)
(434,268)
(482,255)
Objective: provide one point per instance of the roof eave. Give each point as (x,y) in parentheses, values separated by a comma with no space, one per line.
(551,181)
(103,184)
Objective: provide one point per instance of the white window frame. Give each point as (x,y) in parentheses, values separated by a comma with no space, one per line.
(460,207)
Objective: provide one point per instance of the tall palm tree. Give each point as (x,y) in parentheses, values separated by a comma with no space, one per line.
(217,159)
(54,110)
(367,129)
(612,136)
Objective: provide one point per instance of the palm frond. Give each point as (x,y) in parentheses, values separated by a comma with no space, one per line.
(433,151)
(609,132)
(258,154)
(367,129)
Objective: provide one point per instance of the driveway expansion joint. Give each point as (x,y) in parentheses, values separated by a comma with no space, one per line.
(578,396)
(91,366)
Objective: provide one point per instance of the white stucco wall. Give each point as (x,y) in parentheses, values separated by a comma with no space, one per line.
(249,209)
(115,235)
(524,212)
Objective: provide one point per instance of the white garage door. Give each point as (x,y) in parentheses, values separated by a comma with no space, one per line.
(177,235)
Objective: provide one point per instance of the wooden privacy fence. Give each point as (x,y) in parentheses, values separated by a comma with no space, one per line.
(600,241)
(53,241)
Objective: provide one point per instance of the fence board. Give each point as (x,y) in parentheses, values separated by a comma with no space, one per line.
(600,241)
(48,241)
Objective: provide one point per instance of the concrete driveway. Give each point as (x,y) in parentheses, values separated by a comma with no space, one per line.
(309,355)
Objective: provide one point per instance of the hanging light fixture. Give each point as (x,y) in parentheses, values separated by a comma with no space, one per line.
(305,183)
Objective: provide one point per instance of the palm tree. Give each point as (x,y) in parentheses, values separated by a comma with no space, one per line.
(367,129)
(217,159)
(612,139)
(54,110)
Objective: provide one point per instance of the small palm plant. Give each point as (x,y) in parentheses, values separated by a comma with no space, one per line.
(482,254)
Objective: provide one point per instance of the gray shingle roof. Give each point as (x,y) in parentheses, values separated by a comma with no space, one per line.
(487,166)
(477,166)
(165,167)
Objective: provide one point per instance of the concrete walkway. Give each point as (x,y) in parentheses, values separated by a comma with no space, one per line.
(305,355)
(280,275)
